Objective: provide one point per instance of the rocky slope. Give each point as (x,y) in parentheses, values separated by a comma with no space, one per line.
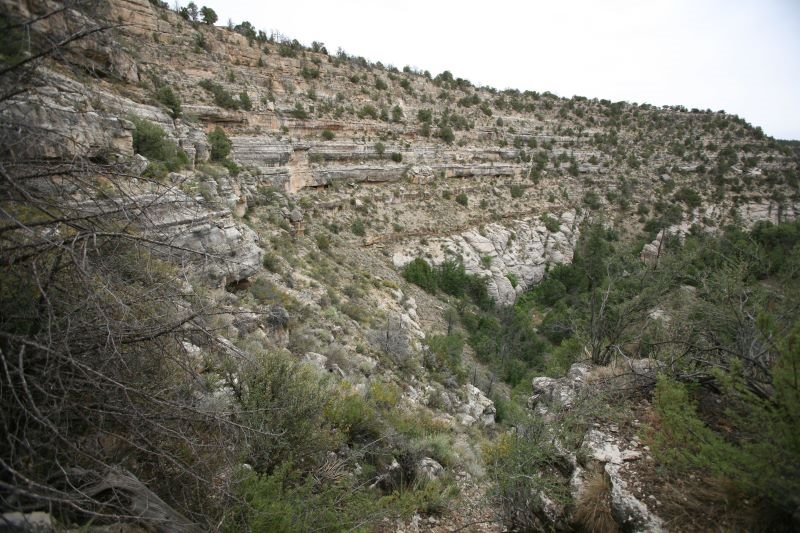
(346,171)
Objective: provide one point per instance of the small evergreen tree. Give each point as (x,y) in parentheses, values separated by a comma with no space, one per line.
(167,96)
(192,11)
(220,144)
(245,102)
(208,15)
(446,134)
(420,273)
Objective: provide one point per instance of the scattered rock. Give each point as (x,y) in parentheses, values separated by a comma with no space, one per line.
(428,469)
(420,174)
(316,359)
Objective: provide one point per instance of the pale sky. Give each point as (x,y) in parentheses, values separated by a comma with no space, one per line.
(742,56)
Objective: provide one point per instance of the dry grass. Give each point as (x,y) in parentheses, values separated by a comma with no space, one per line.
(602,374)
(593,509)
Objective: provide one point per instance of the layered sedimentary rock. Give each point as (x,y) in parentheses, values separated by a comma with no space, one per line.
(223,250)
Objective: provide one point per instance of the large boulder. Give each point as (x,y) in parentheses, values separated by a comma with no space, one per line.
(477,408)
(428,469)
(558,393)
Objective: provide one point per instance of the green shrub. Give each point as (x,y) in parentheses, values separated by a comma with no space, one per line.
(200,43)
(294,418)
(266,292)
(445,354)
(452,278)
(328,135)
(151,141)
(286,400)
(521,464)
(397,157)
(420,273)
(552,224)
(397,114)
(384,395)
(688,196)
(309,73)
(358,228)
(220,144)
(299,112)
(323,242)
(592,200)
(368,110)
(462,199)
(446,134)
(764,429)
(469,101)
(286,50)
(245,102)
(272,263)
(232,167)
(356,417)
(550,291)
(380,149)
(355,310)
(517,191)
(222,97)
(563,357)
(170,99)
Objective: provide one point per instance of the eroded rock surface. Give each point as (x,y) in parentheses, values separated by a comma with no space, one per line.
(603,448)
(512,258)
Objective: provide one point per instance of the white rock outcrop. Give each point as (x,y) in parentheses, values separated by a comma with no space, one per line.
(511,258)
(601,446)
(477,409)
(627,509)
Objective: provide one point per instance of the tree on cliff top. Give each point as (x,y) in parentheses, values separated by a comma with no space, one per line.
(208,15)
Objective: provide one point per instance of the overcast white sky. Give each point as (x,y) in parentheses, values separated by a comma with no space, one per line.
(742,56)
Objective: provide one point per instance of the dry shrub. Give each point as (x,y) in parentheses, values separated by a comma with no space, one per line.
(603,374)
(593,509)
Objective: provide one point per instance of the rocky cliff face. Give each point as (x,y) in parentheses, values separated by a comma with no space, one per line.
(565,155)
(555,155)
(341,172)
